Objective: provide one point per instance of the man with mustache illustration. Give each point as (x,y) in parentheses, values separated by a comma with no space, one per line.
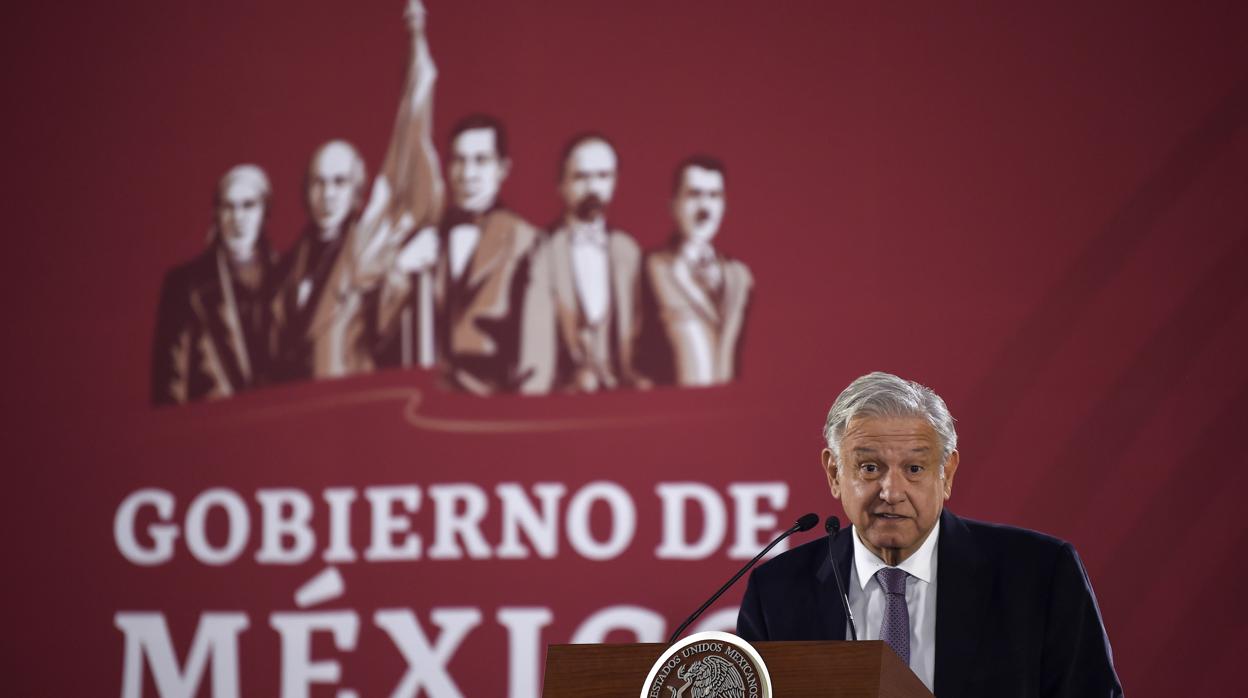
(582,315)
(697,296)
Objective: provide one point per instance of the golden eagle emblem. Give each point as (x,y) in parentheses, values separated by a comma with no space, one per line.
(710,677)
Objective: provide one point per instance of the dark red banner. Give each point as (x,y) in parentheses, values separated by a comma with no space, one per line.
(263,440)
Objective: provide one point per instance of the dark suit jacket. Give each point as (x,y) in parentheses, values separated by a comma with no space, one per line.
(1015,613)
(209,341)
(479,314)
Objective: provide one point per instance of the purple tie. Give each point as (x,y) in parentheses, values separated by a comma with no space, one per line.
(895,630)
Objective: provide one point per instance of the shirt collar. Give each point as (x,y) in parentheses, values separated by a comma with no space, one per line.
(588,232)
(922,564)
(697,252)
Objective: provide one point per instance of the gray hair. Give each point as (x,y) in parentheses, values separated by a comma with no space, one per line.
(885,395)
(252,174)
(357,173)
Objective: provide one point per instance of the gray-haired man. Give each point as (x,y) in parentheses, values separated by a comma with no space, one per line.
(973,608)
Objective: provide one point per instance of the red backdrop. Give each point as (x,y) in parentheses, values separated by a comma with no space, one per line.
(1040,212)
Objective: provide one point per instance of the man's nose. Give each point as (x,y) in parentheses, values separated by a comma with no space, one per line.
(893,487)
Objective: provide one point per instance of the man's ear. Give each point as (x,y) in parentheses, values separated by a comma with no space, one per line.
(829,469)
(504,167)
(951,468)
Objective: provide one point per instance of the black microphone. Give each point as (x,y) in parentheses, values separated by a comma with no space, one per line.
(833,527)
(805,523)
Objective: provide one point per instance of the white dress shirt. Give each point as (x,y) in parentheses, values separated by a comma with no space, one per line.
(590,270)
(463,242)
(866,599)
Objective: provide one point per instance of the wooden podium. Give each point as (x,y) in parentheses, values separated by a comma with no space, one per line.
(864,669)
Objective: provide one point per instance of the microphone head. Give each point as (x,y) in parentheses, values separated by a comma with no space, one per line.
(807,522)
(832,525)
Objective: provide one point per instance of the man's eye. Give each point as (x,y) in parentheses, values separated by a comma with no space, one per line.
(869,468)
(915,469)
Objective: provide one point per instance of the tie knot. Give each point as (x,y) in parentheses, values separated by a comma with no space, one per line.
(892,580)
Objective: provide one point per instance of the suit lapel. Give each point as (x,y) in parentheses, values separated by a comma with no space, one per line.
(964,587)
(209,304)
(491,250)
(736,293)
(622,263)
(331,298)
(683,274)
(831,613)
(567,305)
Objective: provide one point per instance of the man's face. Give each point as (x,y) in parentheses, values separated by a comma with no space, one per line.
(240,215)
(476,171)
(699,204)
(331,189)
(890,483)
(588,179)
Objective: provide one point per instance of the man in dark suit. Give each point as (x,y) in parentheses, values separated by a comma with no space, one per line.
(210,323)
(480,279)
(975,609)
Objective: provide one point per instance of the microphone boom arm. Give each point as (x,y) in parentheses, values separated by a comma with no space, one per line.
(803,524)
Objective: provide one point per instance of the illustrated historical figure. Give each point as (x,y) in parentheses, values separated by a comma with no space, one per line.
(334,191)
(485,266)
(973,608)
(696,297)
(586,283)
(347,278)
(213,312)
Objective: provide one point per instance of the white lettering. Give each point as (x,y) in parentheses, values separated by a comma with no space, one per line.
(645,624)
(276,526)
(675,495)
(450,522)
(524,648)
(238,530)
(216,643)
(299,672)
(750,521)
(723,620)
(427,664)
(162,535)
(386,523)
(339,499)
(520,514)
(623,520)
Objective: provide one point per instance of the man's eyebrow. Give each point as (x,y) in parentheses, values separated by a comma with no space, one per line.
(868,450)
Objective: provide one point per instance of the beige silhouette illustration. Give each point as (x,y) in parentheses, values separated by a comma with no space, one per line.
(383,275)
(582,309)
(697,296)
